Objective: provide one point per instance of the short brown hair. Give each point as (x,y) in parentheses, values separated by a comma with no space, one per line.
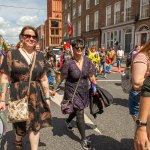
(28,28)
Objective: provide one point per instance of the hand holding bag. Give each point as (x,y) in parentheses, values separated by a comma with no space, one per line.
(67,105)
(18,109)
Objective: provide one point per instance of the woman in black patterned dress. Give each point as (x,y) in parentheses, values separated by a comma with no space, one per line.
(71,71)
(16,67)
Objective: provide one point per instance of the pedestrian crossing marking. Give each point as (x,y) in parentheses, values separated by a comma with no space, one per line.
(110,80)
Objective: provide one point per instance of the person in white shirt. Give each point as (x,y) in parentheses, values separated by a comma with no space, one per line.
(120,56)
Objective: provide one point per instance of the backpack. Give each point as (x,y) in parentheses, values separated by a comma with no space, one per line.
(126,82)
(129,58)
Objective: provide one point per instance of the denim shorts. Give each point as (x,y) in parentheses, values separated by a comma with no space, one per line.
(134,100)
(119,61)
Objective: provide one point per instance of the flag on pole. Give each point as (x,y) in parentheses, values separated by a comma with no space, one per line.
(69,25)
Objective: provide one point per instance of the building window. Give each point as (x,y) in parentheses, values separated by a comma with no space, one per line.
(69,3)
(110,38)
(119,36)
(79,10)
(54,31)
(144,9)
(54,40)
(57,31)
(74,12)
(87,23)
(127,14)
(117,13)
(65,6)
(96,2)
(87,4)
(54,23)
(96,19)
(108,15)
(65,19)
(74,29)
(79,28)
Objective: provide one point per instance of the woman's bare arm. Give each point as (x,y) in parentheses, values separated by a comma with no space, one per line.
(138,75)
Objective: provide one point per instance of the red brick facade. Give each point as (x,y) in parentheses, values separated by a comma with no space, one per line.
(129,30)
(53,24)
(41,33)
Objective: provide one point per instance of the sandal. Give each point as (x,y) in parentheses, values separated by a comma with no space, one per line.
(18,145)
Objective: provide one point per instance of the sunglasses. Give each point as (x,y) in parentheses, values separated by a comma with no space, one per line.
(28,36)
(79,48)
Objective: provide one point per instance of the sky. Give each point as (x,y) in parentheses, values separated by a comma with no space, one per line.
(12,19)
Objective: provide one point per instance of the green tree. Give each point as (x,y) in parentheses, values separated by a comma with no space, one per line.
(4,46)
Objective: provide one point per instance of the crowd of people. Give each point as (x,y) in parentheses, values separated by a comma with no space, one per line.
(78,66)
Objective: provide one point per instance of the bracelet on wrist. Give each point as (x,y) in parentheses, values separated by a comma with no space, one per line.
(47,98)
(2,101)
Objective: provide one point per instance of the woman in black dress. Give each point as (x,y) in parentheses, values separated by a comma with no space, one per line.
(16,67)
(71,71)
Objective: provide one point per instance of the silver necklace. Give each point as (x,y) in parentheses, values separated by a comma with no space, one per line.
(78,61)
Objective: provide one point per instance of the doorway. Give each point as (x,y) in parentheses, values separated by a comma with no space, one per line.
(128,39)
(143,38)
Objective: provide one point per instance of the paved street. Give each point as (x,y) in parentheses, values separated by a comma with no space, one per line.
(112,130)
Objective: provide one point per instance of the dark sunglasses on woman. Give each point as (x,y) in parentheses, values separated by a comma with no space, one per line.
(29,36)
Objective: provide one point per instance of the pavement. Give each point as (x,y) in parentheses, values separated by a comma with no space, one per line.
(112,130)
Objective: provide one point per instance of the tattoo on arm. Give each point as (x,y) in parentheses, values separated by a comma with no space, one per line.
(45,88)
(3,87)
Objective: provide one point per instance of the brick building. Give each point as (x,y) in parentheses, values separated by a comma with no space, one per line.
(107,22)
(53,24)
(41,33)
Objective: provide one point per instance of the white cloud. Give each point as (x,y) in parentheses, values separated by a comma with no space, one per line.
(2,32)
(2,21)
(13,19)
(27,20)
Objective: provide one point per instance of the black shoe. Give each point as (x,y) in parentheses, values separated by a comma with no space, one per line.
(86,144)
(69,126)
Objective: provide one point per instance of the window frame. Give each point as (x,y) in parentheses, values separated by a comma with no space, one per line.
(127,10)
(87,4)
(87,23)
(96,2)
(107,15)
(141,9)
(96,19)
(117,18)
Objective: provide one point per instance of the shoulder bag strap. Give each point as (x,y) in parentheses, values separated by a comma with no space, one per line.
(30,76)
(76,87)
(78,82)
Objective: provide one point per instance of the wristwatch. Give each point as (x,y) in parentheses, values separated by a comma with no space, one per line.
(140,123)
